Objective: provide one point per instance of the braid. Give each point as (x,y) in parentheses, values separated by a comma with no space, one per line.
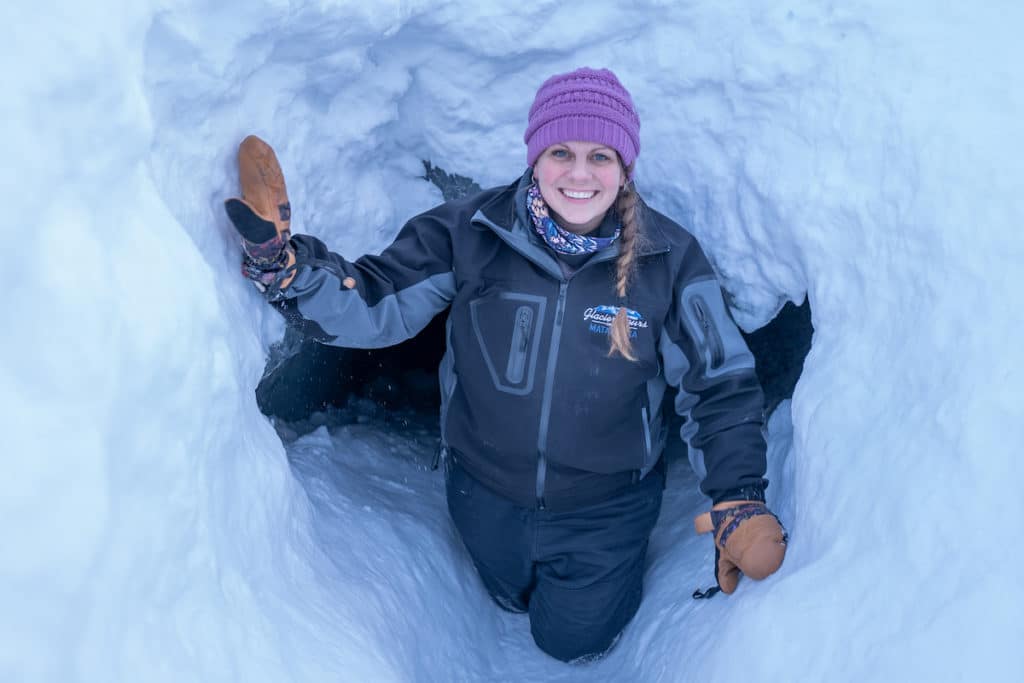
(629,209)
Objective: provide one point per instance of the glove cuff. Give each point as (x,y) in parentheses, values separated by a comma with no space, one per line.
(270,276)
(753,492)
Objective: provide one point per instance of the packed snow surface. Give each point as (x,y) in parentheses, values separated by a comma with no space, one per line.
(866,155)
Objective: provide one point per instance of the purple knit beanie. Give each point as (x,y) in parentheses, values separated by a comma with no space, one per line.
(587,104)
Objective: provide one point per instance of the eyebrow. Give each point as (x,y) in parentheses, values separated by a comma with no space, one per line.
(602,148)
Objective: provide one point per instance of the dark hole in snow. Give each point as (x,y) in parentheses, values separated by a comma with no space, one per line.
(308,384)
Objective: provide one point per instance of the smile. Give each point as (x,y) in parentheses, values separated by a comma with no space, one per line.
(571,194)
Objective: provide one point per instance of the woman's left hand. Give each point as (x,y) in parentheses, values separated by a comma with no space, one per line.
(749,538)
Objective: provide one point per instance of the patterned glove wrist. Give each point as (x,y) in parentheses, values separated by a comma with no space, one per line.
(270,275)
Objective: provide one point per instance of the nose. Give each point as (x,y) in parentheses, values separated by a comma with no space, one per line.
(579,169)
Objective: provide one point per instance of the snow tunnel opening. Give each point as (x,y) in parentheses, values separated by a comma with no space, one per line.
(333,108)
(308,384)
(350,475)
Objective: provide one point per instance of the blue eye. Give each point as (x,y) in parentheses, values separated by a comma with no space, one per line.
(559,153)
(601,157)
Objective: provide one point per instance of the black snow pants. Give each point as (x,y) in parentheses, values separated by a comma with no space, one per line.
(578,573)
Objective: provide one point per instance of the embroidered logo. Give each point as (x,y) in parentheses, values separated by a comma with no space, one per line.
(599,319)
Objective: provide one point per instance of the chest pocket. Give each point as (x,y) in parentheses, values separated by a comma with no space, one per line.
(508,327)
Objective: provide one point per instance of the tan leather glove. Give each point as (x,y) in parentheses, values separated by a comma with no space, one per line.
(749,538)
(262,216)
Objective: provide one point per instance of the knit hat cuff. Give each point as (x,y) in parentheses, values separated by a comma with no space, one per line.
(587,128)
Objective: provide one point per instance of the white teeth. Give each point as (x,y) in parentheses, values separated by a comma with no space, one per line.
(578,195)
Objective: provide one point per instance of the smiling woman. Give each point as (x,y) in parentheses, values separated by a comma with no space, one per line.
(551,414)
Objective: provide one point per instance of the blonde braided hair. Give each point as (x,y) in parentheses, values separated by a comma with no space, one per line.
(628,206)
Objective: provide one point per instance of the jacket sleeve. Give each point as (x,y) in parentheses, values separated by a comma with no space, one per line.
(706,359)
(396,293)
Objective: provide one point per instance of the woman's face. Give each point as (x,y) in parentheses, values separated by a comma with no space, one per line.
(579,181)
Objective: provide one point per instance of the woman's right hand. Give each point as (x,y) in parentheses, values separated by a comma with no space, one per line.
(262,216)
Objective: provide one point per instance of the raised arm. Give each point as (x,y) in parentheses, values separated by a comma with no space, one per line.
(376,300)
(372,302)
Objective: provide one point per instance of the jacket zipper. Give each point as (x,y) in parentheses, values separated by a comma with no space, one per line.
(647,436)
(549,383)
(520,342)
(711,337)
(550,266)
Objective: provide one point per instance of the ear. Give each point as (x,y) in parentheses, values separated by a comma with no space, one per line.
(627,173)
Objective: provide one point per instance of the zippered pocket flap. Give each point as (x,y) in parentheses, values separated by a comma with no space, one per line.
(714,333)
(507,326)
(518,350)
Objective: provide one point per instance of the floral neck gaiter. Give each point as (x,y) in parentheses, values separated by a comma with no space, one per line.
(555,236)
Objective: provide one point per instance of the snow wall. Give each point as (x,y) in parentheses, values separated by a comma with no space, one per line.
(866,155)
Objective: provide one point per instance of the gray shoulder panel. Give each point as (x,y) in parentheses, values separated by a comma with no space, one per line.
(343,314)
(712,329)
(676,367)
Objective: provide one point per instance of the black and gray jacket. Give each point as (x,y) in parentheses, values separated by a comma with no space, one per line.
(533,406)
